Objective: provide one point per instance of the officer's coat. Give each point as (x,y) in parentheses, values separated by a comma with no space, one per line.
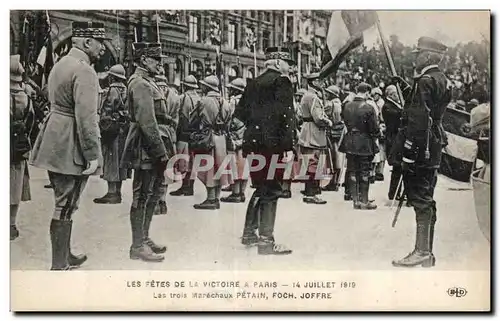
(69,139)
(144,144)
(313,133)
(169,121)
(429,96)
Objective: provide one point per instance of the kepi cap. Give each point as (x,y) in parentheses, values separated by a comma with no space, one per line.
(88,29)
(148,49)
(430,44)
(281,53)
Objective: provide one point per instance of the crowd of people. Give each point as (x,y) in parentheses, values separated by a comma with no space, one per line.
(121,126)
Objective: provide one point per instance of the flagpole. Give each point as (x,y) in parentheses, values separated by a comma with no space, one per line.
(254,60)
(389,58)
(157,26)
(118,35)
(135,34)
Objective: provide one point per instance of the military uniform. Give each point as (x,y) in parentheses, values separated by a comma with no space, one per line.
(69,138)
(392,116)
(215,114)
(21,110)
(359,144)
(418,147)
(114,109)
(188,102)
(270,125)
(146,152)
(236,131)
(312,141)
(168,129)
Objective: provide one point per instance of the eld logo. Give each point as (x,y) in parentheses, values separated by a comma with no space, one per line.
(457,292)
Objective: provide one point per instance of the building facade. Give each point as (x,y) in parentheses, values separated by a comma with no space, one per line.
(191,39)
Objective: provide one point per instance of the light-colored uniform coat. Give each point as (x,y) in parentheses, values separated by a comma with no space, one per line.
(210,105)
(239,160)
(336,117)
(380,156)
(69,138)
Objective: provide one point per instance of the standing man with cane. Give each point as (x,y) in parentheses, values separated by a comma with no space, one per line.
(68,145)
(419,144)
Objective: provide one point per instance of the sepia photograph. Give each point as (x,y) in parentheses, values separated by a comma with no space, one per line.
(250,160)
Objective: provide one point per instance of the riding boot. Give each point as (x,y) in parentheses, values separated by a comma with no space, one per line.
(354,189)
(139,250)
(312,191)
(75,260)
(60,237)
(347,188)
(148,217)
(251,221)
(421,255)
(364,190)
(267,245)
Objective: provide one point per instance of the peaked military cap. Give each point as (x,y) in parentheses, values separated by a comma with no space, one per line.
(430,44)
(312,76)
(148,49)
(88,29)
(279,53)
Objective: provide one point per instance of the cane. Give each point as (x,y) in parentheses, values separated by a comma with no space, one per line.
(397,191)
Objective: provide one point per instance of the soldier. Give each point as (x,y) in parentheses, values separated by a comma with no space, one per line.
(270,125)
(419,144)
(168,128)
(214,113)
(68,144)
(145,149)
(333,112)
(392,116)
(188,103)
(21,111)
(237,128)
(359,144)
(312,138)
(114,123)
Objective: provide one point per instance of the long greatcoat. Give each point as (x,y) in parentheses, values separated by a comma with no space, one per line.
(69,138)
(236,134)
(188,103)
(210,106)
(115,98)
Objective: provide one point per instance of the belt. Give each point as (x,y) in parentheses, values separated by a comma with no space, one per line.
(61,110)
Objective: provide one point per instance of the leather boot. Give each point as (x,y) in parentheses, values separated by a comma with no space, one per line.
(60,237)
(421,255)
(14,232)
(187,187)
(251,222)
(267,245)
(364,189)
(157,249)
(314,191)
(109,198)
(161,208)
(347,188)
(139,250)
(228,188)
(74,260)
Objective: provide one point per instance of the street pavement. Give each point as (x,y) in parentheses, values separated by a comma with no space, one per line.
(323,237)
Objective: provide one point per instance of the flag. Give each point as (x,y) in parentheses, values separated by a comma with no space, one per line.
(46,56)
(345,33)
(457,161)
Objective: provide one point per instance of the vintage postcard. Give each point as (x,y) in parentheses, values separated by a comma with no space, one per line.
(250,160)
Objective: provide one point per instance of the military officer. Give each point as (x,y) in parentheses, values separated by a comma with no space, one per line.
(419,144)
(145,148)
(169,128)
(359,144)
(188,102)
(312,138)
(270,124)
(392,116)
(114,129)
(68,144)
(333,112)
(237,128)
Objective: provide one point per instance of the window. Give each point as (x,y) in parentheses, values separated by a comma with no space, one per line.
(232,36)
(194,29)
(253,14)
(266,35)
